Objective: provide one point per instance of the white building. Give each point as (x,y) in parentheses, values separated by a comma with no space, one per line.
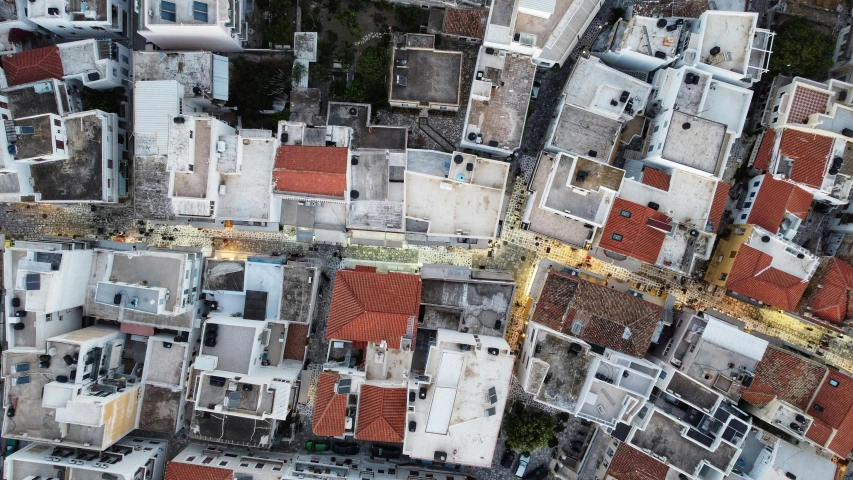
(216,25)
(463,391)
(14,14)
(726,44)
(546,31)
(81,19)
(132,458)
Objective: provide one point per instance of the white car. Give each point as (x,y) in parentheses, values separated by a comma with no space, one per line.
(522,465)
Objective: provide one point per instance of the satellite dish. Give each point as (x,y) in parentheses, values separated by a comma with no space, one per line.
(52,351)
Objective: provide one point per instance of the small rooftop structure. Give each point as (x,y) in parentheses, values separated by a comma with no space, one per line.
(458,194)
(202,74)
(422,76)
(497,108)
(305,46)
(459,421)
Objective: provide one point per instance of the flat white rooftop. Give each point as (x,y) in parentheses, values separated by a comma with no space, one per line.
(732,33)
(643,32)
(247,194)
(462,413)
(688,200)
(595,86)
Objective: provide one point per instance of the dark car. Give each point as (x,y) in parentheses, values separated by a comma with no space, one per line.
(386,452)
(508,459)
(346,448)
(539,473)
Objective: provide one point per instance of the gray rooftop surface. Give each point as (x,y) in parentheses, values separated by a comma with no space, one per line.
(159,411)
(227,275)
(502,12)
(377,137)
(26,102)
(194,184)
(151,270)
(36,144)
(663,437)
(433,76)
(165,364)
(81,176)
(230,428)
(698,146)
(691,392)
(472,306)
(187,68)
(582,132)
(502,118)
(151,189)
(551,224)
(233,348)
(297,293)
(566,373)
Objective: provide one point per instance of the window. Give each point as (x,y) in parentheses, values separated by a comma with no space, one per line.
(4,105)
(200,11)
(625,213)
(97,28)
(109,183)
(833,383)
(775,119)
(666,124)
(751,194)
(125,72)
(57,122)
(616,236)
(124,59)
(657,127)
(109,164)
(755,184)
(818,407)
(723,276)
(660,145)
(743,217)
(60,145)
(733,254)
(776,109)
(167,11)
(747,204)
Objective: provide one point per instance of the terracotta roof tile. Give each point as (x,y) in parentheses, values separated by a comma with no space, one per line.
(775,197)
(657,179)
(765,150)
(638,240)
(786,376)
(752,275)
(33,66)
(381,414)
(371,307)
(602,313)
(465,22)
(628,463)
(187,471)
(837,403)
(718,206)
(806,102)
(330,408)
(819,432)
(833,302)
(297,340)
(311,170)
(810,153)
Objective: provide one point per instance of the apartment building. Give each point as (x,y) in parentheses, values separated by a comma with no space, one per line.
(218,26)
(97,64)
(82,19)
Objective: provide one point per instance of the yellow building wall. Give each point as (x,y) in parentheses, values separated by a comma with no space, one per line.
(724,256)
(120,415)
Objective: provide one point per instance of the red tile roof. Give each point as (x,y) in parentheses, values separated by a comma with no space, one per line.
(837,403)
(765,150)
(371,307)
(381,414)
(784,375)
(810,153)
(718,206)
(832,302)
(330,408)
(639,240)
(465,22)
(819,432)
(774,198)
(297,340)
(628,463)
(752,275)
(657,179)
(602,314)
(311,170)
(33,66)
(187,471)
(806,102)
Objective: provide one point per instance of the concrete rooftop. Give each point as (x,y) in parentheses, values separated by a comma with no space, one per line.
(432,76)
(700,146)
(585,133)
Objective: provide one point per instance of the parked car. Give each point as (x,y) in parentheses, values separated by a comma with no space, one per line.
(346,448)
(386,452)
(522,465)
(538,473)
(313,446)
(508,459)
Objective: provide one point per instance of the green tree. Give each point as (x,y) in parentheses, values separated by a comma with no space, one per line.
(801,50)
(357,92)
(338,89)
(373,65)
(408,16)
(528,430)
(346,54)
(108,100)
